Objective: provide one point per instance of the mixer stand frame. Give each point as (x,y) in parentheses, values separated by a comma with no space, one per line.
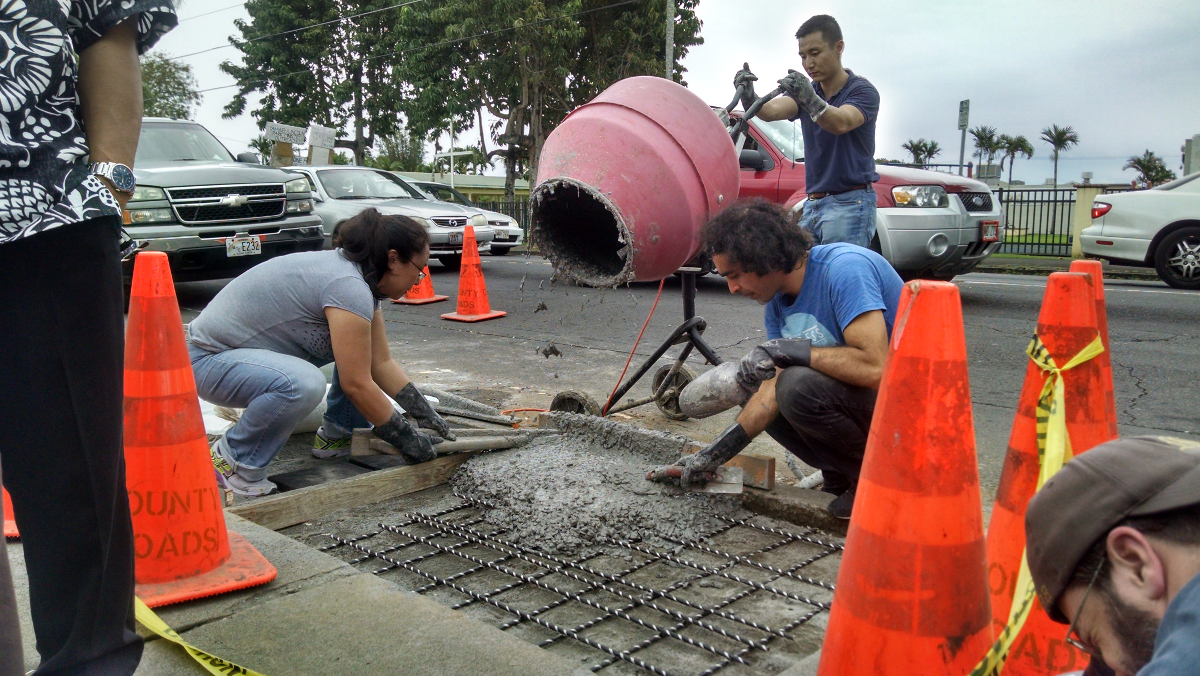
(689,334)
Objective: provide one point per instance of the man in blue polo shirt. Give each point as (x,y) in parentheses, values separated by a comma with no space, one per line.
(837,113)
(829,313)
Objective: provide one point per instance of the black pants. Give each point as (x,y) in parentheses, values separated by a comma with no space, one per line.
(824,422)
(61,362)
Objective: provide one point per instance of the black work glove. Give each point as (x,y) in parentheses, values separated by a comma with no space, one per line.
(413,446)
(760,364)
(701,467)
(801,90)
(745,79)
(416,405)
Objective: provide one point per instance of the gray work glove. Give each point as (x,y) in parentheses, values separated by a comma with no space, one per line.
(413,446)
(801,90)
(416,405)
(761,362)
(745,79)
(701,467)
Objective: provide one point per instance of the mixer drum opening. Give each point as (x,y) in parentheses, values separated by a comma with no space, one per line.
(581,233)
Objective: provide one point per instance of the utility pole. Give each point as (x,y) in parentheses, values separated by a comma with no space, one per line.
(670,50)
(964,110)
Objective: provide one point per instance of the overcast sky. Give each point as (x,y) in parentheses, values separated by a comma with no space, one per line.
(1125,75)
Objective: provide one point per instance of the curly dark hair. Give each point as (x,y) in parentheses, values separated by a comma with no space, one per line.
(367,237)
(756,236)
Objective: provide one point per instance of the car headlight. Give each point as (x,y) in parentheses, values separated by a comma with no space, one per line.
(478,221)
(299,206)
(142,216)
(920,196)
(425,222)
(298,185)
(147,193)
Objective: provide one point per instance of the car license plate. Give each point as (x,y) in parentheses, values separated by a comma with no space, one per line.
(243,246)
(456,237)
(501,236)
(991,231)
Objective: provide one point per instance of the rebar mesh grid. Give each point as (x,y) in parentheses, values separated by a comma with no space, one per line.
(693,609)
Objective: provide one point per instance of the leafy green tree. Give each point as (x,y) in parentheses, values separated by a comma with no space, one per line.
(932,149)
(1011,146)
(474,163)
(263,146)
(921,150)
(527,63)
(1151,169)
(1060,139)
(307,66)
(400,151)
(168,87)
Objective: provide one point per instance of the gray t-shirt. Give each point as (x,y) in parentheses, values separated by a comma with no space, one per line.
(279,305)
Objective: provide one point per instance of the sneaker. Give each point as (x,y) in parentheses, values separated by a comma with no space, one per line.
(842,505)
(232,481)
(327,447)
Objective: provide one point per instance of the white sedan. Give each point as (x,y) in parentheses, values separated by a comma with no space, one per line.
(1157,228)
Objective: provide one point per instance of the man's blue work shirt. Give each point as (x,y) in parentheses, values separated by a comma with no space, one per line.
(842,282)
(836,163)
(1177,645)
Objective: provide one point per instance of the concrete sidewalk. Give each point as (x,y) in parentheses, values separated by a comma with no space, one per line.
(321,616)
(1044,265)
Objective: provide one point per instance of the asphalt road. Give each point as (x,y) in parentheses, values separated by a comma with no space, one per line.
(1154,332)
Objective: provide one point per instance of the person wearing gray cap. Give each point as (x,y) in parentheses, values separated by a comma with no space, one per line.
(1113,545)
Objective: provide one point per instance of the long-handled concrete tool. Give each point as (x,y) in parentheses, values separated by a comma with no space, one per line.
(724,479)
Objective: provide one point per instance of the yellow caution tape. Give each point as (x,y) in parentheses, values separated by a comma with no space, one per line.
(1054,449)
(215,665)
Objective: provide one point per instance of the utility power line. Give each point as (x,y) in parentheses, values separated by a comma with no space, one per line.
(443,43)
(223,9)
(297,30)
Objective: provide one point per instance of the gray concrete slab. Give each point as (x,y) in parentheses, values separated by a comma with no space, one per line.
(319,616)
(805,667)
(358,625)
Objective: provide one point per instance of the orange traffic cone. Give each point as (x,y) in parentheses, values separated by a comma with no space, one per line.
(1066,325)
(1096,270)
(912,594)
(181,546)
(422,292)
(10,524)
(473,303)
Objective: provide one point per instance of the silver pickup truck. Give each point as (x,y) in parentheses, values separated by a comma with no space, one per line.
(214,215)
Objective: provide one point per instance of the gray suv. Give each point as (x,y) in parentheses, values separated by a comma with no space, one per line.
(215,216)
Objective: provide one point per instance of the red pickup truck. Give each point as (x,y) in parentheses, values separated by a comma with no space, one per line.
(929,224)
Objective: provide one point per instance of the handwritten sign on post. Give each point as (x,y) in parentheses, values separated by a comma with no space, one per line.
(285,133)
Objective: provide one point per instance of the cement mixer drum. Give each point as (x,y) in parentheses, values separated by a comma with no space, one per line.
(627,181)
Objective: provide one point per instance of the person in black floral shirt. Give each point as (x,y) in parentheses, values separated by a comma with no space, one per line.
(70,116)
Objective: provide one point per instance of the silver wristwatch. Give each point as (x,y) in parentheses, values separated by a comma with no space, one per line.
(118,174)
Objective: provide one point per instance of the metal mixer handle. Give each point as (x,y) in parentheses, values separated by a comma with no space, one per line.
(745,121)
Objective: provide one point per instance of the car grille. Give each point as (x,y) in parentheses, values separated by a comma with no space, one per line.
(223,190)
(451,222)
(976,201)
(202,205)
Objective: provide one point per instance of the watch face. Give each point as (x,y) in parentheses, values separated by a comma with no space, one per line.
(122,178)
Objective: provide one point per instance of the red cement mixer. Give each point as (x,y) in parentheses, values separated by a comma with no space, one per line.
(626,182)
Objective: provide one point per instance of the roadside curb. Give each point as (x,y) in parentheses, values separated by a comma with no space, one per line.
(1109,273)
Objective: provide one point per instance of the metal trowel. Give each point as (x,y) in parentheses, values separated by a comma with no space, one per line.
(725,479)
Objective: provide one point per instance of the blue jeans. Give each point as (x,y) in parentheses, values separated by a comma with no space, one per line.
(341,417)
(276,390)
(844,217)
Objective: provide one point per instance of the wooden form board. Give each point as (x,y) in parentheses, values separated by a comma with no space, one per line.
(304,504)
(759,470)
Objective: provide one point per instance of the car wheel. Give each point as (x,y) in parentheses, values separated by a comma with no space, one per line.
(499,251)
(1177,258)
(451,262)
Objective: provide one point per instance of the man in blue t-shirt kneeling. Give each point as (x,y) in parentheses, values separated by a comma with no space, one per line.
(829,313)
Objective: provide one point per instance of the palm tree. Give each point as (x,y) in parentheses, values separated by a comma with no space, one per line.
(984,137)
(1012,146)
(1151,169)
(1060,139)
(932,150)
(916,148)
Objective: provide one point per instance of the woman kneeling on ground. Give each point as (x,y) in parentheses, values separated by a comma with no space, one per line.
(260,342)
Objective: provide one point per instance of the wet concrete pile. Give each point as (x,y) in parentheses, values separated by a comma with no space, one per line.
(576,493)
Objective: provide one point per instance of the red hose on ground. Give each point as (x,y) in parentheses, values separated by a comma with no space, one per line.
(635,344)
